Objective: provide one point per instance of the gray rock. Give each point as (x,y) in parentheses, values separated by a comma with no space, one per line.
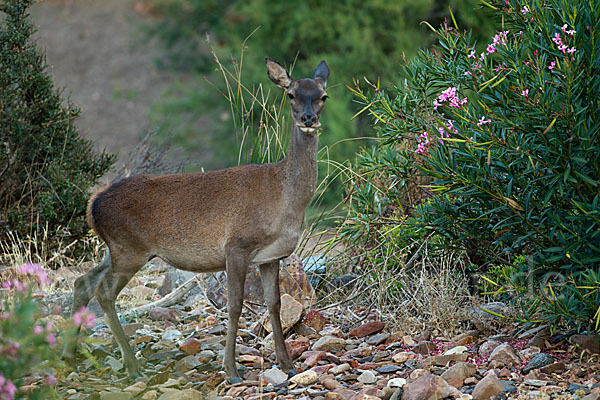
(329,343)
(367,377)
(114,364)
(186,364)
(172,335)
(538,361)
(377,339)
(388,369)
(275,376)
(116,396)
(535,382)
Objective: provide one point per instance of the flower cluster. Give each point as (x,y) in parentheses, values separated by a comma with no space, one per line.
(31,271)
(7,388)
(449,95)
(423,143)
(84,317)
(559,41)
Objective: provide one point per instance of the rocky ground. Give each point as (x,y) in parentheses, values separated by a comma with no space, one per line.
(340,354)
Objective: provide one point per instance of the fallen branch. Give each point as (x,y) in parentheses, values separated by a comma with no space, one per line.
(170,299)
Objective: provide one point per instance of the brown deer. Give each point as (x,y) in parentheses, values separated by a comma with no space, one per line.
(205,222)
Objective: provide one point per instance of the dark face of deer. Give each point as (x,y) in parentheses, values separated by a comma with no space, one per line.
(307,96)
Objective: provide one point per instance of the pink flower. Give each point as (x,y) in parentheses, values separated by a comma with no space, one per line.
(525,92)
(552,65)
(564,27)
(51,380)
(38,329)
(562,48)
(84,318)
(571,32)
(7,389)
(467,73)
(51,339)
(471,54)
(4,316)
(556,39)
(35,270)
(491,49)
(483,121)
(524,10)
(571,50)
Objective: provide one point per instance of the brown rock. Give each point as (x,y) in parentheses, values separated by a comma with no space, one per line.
(344,393)
(403,356)
(330,383)
(549,369)
(486,348)
(130,329)
(164,314)
(191,346)
(487,387)
(426,387)
(312,357)
(424,348)
(329,343)
(408,340)
(305,378)
(296,347)
(456,374)
(466,338)
(188,394)
(444,359)
(394,338)
(291,311)
(315,320)
(506,355)
(587,343)
(367,329)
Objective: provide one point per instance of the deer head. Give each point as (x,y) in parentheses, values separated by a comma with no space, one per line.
(307,96)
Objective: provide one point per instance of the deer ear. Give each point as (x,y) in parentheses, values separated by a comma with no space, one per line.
(322,73)
(278,74)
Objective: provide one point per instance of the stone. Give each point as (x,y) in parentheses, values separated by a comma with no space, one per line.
(313,357)
(456,374)
(549,369)
(114,364)
(539,360)
(444,359)
(130,329)
(408,340)
(329,343)
(136,388)
(150,395)
(427,386)
(489,386)
(505,354)
(305,378)
(396,382)
(187,394)
(172,335)
(116,396)
(424,348)
(455,350)
(164,314)
(315,320)
(592,396)
(586,343)
(403,356)
(296,347)
(191,346)
(186,364)
(388,369)
(340,368)
(465,338)
(205,356)
(367,377)
(291,312)
(486,348)
(367,329)
(331,330)
(535,382)
(275,376)
(377,339)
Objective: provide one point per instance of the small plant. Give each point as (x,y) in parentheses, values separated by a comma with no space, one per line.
(505,144)
(27,344)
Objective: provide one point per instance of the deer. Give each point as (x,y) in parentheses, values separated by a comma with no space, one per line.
(227,220)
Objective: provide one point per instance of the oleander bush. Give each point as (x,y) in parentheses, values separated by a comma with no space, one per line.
(498,153)
(46,167)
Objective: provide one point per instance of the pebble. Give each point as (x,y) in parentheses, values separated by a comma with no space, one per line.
(329,343)
(397,382)
(172,335)
(305,378)
(367,377)
(539,360)
(114,364)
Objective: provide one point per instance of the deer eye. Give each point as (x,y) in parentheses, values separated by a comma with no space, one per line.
(291,96)
(325,97)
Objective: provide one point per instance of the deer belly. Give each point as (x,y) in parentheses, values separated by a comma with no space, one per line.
(278,249)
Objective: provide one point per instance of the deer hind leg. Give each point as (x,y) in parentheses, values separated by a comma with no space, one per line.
(237,266)
(114,281)
(83,291)
(269,275)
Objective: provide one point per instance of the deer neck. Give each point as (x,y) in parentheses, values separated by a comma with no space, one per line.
(300,168)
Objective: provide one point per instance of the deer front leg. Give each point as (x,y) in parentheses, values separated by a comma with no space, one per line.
(237,266)
(269,274)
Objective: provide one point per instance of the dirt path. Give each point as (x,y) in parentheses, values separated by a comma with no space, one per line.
(97,54)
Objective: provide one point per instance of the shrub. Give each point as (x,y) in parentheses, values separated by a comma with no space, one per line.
(507,141)
(27,344)
(46,168)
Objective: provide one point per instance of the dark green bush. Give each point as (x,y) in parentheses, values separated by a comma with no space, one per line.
(506,144)
(46,168)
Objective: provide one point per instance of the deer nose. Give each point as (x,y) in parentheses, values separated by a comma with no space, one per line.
(308,119)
